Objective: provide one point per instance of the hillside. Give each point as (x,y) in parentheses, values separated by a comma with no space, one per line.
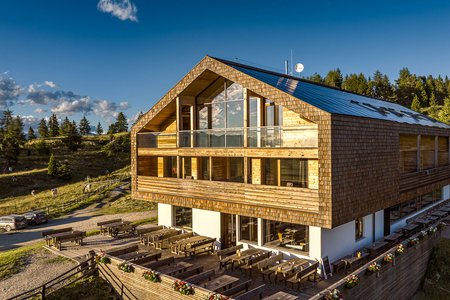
(30,173)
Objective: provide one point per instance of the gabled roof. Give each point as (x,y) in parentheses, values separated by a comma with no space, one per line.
(336,101)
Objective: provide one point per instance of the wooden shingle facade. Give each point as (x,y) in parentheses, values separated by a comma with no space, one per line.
(359,156)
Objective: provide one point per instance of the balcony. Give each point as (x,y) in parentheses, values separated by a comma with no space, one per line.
(303,136)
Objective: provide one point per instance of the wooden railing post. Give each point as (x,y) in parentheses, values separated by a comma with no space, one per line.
(43,292)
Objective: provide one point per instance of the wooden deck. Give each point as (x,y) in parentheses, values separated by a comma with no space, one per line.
(208,261)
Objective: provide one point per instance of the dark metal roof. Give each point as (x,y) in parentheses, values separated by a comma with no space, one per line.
(336,101)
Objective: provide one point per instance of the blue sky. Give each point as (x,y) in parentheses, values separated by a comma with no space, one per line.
(96,58)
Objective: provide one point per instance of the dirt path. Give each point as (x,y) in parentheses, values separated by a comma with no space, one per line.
(32,275)
(84,219)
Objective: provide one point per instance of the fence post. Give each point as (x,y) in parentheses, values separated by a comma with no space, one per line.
(91,257)
(43,292)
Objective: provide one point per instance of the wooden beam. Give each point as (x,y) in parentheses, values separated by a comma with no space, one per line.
(245,111)
(278,172)
(179,120)
(419,163)
(436,151)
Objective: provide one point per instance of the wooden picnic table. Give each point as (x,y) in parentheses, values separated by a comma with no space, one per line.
(393,237)
(111,226)
(157,235)
(423,221)
(58,238)
(223,283)
(287,267)
(409,228)
(376,247)
(354,260)
(281,296)
(134,255)
(433,218)
(243,256)
(439,213)
(181,245)
(176,268)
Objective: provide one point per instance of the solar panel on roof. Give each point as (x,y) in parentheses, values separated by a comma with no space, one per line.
(337,101)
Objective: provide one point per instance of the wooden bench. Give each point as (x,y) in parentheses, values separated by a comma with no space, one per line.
(141,232)
(238,289)
(338,265)
(264,265)
(172,239)
(105,230)
(124,229)
(200,247)
(224,255)
(252,294)
(154,256)
(159,263)
(45,234)
(190,272)
(75,237)
(122,250)
(304,274)
(163,237)
(204,276)
(253,261)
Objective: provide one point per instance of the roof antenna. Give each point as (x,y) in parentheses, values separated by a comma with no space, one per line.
(286,67)
(292,62)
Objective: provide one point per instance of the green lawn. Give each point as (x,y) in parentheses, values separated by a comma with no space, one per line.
(90,288)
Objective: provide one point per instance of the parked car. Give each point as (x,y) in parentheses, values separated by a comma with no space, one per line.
(12,222)
(36,217)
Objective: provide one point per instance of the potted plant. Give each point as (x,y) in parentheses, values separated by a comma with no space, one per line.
(152,276)
(351,281)
(101,258)
(431,231)
(334,295)
(183,287)
(388,258)
(216,296)
(373,268)
(412,242)
(127,268)
(399,250)
(422,235)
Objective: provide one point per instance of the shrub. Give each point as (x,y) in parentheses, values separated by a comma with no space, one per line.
(127,268)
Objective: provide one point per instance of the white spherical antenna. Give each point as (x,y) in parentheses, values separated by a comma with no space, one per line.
(299,68)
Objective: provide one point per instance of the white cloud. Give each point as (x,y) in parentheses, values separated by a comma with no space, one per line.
(10,91)
(29,121)
(122,9)
(124,105)
(69,107)
(40,110)
(50,84)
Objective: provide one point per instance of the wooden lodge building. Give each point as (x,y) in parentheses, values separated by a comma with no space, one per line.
(250,156)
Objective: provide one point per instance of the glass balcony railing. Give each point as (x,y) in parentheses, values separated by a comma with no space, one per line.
(157,140)
(302,136)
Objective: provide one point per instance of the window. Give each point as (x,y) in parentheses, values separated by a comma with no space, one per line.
(203,168)
(187,168)
(228,169)
(408,153)
(170,166)
(249,228)
(147,166)
(359,228)
(443,151)
(427,145)
(286,235)
(270,171)
(183,217)
(294,172)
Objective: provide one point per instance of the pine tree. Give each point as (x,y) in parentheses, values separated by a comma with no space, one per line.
(99,129)
(52,167)
(65,126)
(112,128)
(11,137)
(415,105)
(334,78)
(405,88)
(85,126)
(43,129)
(444,113)
(53,126)
(315,78)
(31,134)
(73,138)
(121,124)
(356,83)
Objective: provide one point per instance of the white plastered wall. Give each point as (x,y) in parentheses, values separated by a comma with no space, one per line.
(207,223)
(165,214)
